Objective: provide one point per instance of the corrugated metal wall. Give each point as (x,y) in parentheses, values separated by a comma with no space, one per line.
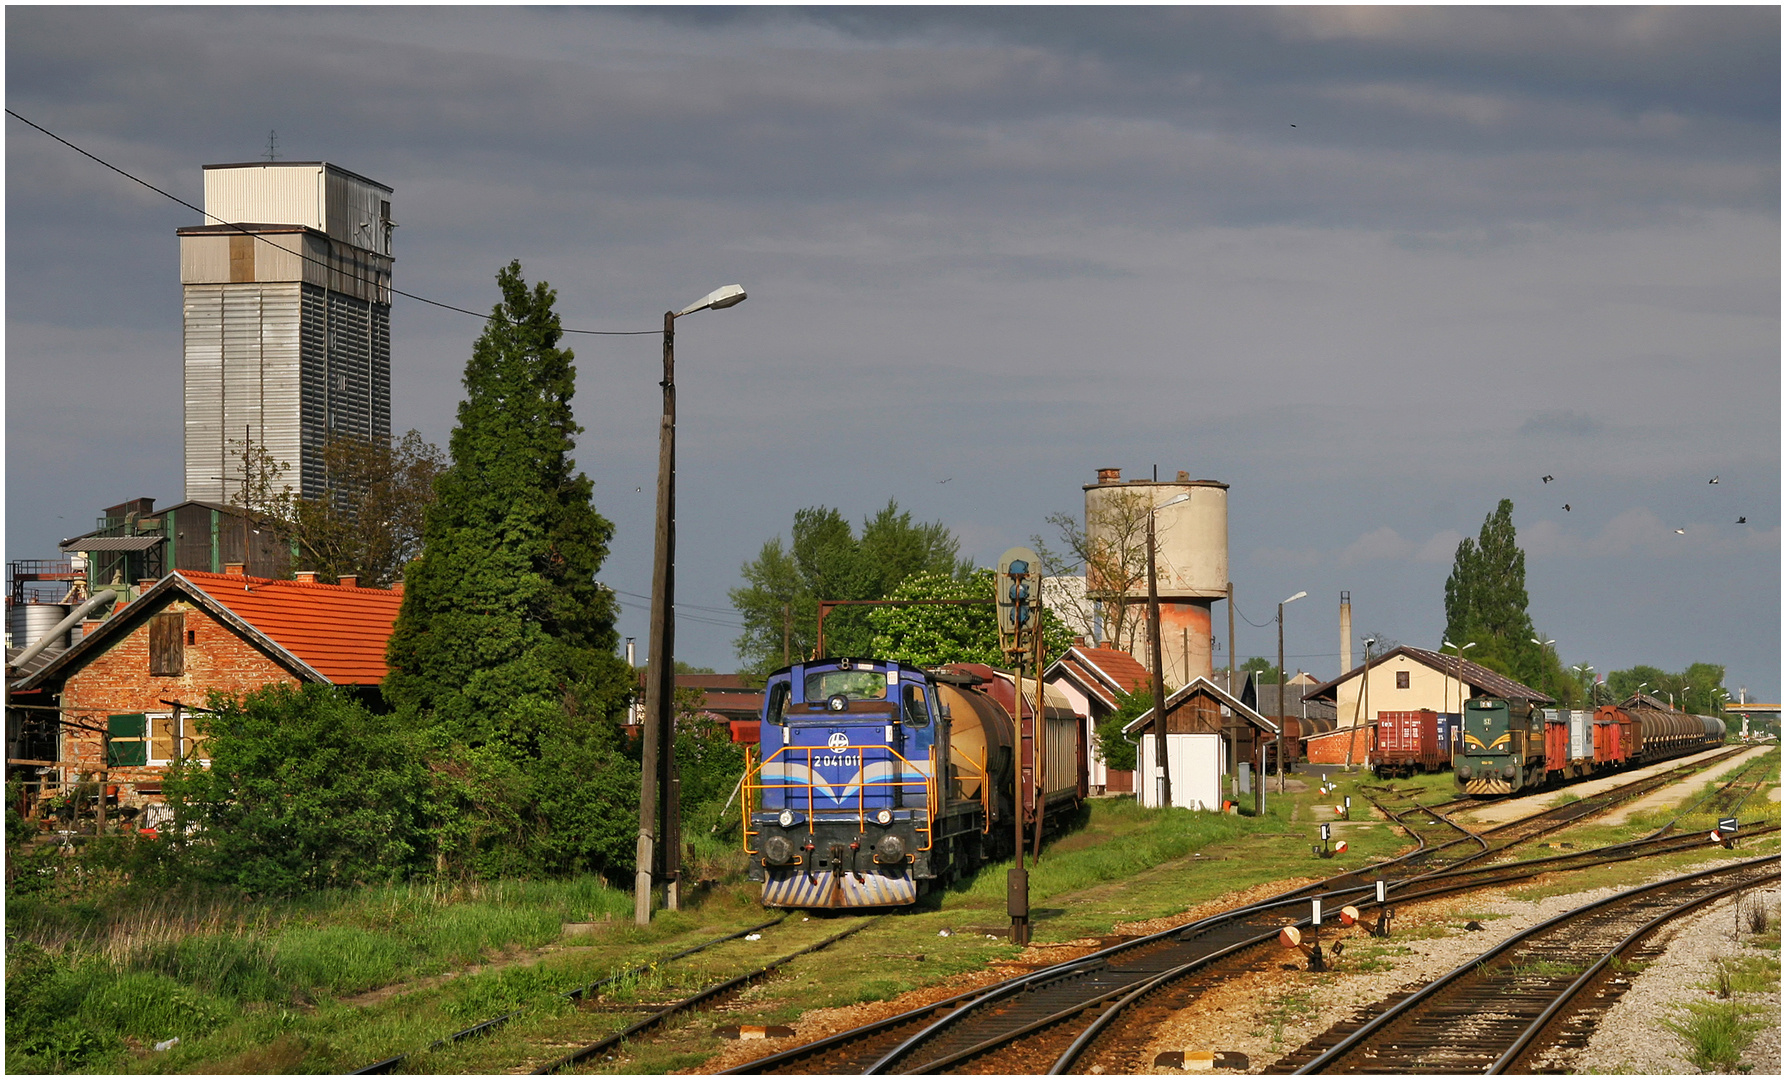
(347,375)
(270,194)
(242,380)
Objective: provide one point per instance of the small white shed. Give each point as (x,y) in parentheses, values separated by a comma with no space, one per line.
(1209,734)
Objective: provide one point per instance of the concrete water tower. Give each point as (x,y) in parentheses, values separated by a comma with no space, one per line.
(1192,538)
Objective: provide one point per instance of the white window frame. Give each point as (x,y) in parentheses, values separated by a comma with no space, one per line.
(181,737)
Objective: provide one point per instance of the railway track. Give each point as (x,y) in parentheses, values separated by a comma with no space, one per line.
(695,1001)
(1048,1020)
(1538,989)
(577,993)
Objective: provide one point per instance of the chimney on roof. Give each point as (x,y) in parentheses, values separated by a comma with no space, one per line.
(1184,476)
(145,585)
(306,577)
(1109,476)
(90,625)
(1079,642)
(234,569)
(352,581)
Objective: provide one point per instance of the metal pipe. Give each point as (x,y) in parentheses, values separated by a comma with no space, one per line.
(108,595)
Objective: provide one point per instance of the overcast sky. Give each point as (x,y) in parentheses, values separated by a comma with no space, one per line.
(1376,269)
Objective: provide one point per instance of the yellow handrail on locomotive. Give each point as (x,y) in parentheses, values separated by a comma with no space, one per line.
(753,789)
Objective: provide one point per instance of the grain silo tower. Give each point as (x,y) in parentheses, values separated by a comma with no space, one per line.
(287,291)
(1192,571)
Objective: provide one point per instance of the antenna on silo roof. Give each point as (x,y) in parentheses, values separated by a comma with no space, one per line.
(272,145)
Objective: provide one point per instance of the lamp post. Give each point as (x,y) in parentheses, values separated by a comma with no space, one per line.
(1584,673)
(657,773)
(1457,673)
(1159,670)
(1282,765)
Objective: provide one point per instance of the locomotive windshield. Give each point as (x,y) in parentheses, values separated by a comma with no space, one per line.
(1484,725)
(858,685)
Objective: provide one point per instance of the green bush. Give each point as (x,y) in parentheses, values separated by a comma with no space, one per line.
(306,788)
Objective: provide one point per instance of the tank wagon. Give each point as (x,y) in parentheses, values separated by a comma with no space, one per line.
(1511,745)
(878,780)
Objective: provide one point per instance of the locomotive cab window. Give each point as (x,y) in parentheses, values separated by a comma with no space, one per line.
(916,715)
(777,711)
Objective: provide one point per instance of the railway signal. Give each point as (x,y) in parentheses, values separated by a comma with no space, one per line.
(1017,586)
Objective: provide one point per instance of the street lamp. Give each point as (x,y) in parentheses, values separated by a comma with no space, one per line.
(1584,673)
(1159,671)
(1457,672)
(658,782)
(1282,765)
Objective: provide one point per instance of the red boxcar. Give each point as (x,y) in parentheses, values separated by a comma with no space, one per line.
(1406,743)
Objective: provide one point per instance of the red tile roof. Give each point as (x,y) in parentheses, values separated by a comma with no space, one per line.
(339,631)
(1101,671)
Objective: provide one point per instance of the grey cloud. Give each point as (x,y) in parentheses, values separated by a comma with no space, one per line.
(1565,422)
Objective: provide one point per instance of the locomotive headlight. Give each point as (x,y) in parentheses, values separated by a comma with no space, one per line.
(884,817)
(890,848)
(1508,772)
(1463,772)
(786,819)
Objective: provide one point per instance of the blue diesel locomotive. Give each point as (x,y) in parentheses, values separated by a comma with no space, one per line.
(878,780)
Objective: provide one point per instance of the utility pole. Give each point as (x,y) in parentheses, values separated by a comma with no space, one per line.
(659,786)
(1159,675)
(660,674)
(1231,659)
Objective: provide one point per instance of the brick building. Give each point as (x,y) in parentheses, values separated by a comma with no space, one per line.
(135,679)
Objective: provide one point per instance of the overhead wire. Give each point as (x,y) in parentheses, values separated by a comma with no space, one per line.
(307,258)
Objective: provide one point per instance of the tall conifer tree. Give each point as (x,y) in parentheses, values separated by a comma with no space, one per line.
(504,632)
(1486,601)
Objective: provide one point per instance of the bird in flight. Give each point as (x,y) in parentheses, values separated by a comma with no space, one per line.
(945,481)
(1565,507)
(1680,532)
(1548,479)
(638,489)
(1713,480)
(1742,520)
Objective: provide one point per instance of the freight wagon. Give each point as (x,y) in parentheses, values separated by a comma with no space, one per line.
(1404,743)
(1512,745)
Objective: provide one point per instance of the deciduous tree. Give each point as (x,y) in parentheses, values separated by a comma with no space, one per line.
(825,560)
(370,522)
(1110,550)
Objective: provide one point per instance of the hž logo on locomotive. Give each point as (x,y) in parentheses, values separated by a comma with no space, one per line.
(839,742)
